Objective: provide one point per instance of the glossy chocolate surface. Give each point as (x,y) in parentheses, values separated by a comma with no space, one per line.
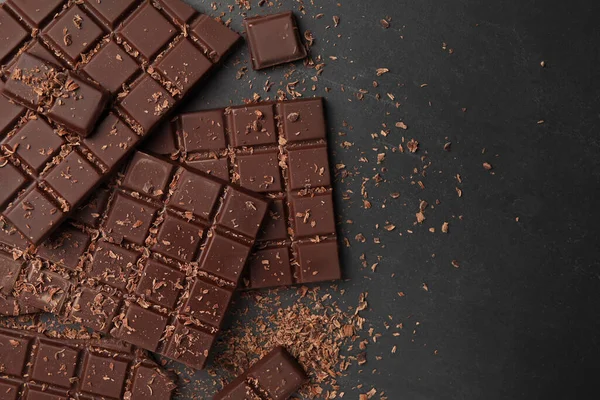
(279,150)
(37,366)
(274,40)
(154,259)
(276,376)
(87,82)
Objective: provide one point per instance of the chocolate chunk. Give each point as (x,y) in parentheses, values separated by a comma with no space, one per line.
(35,214)
(73,33)
(157,267)
(280,150)
(50,366)
(64,97)
(274,40)
(67,61)
(147,22)
(112,67)
(276,376)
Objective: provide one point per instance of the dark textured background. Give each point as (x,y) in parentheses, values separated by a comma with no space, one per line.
(519,318)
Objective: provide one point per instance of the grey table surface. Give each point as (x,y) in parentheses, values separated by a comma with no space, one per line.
(518,318)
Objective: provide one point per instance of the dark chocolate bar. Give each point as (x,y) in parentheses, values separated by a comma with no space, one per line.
(274,40)
(276,376)
(147,53)
(34,366)
(154,260)
(279,150)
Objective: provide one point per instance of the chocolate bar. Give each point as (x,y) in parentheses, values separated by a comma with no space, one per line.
(34,366)
(153,261)
(279,150)
(276,376)
(58,59)
(274,40)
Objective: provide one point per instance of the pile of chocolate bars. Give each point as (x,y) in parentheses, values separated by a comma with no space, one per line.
(135,222)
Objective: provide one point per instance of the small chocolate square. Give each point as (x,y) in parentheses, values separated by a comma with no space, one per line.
(73,33)
(35,143)
(274,40)
(207,302)
(146,103)
(148,175)
(161,284)
(196,194)
(183,66)
(178,239)
(33,214)
(252,126)
(112,265)
(103,376)
(54,364)
(111,67)
(202,131)
(95,309)
(215,37)
(141,327)
(259,172)
(73,178)
(129,219)
(147,22)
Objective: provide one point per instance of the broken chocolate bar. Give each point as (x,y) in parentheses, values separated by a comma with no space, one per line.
(35,366)
(276,376)
(148,54)
(154,260)
(279,150)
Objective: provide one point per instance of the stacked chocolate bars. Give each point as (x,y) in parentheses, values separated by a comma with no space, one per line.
(152,251)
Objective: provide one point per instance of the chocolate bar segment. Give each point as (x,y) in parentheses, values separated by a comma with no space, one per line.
(274,40)
(37,366)
(87,81)
(279,150)
(276,376)
(63,96)
(154,260)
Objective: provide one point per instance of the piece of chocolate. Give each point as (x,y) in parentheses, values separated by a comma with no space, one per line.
(63,96)
(280,150)
(60,59)
(276,376)
(274,40)
(154,262)
(37,366)
(12,246)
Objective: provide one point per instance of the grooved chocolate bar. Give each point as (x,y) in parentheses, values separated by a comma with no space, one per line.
(153,260)
(279,150)
(34,366)
(274,377)
(59,58)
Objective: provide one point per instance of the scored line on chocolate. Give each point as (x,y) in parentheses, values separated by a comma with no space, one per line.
(33,364)
(158,268)
(187,53)
(278,149)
